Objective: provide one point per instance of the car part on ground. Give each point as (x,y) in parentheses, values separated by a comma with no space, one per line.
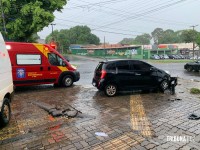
(194,117)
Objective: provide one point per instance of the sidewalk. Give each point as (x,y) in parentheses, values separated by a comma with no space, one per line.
(127,121)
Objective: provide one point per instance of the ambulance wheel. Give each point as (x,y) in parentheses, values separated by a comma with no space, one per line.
(5,113)
(67,81)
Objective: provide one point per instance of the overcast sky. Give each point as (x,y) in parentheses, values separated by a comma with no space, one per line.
(118,19)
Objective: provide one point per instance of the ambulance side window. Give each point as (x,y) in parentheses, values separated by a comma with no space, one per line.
(55,59)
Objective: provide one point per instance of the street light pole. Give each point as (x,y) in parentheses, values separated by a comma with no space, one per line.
(52,24)
(193,39)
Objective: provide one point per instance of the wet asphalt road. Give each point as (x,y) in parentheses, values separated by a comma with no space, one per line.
(87,66)
(131,120)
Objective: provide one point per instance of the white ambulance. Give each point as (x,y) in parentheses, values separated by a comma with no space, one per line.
(6,84)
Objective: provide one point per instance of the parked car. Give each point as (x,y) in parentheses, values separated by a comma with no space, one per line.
(165,56)
(172,57)
(161,56)
(192,66)
(155,56)
(182,57)
(116,75)
(6,84)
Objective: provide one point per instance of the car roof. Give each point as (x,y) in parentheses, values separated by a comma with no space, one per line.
(118,60)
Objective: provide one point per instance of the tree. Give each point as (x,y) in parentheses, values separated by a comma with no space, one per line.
(198,39)
(25,17)
(127,41)
(189,35)
(168,37)
(157,34)
(143,39)
(75,35)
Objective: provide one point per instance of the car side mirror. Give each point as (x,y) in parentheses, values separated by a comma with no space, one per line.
(152,69)
(64,64)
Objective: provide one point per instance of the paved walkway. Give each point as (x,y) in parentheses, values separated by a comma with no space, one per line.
(127,121)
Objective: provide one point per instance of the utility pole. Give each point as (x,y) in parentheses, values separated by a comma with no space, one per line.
(193,39)
(104,46)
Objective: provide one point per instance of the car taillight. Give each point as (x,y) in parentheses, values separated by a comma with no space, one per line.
(103,74)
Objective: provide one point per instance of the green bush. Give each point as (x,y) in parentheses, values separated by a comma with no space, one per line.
(195,91)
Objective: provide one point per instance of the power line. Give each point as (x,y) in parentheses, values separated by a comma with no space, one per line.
(97,4)
(139,18)
(103,31)
(98,26)
(144,13)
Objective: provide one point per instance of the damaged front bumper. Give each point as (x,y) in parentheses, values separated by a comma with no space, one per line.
(172,84)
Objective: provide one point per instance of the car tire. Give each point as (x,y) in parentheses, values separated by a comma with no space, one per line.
(164,85)
(5,113)
(111,90)
(67,81)
(189,68)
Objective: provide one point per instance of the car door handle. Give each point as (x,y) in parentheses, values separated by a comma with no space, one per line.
(137,74)
(49,68)
(41,68)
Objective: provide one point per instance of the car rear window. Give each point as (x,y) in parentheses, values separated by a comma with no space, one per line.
(99,66)
(122,65)
(111,66)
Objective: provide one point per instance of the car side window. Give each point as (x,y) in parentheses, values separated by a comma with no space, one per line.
(140,66)
(122,65)
(111,67)
(55,59)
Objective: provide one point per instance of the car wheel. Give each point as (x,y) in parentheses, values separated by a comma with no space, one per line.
(5,113)
(67,81)
(189,68)
(111,90)
(164,85)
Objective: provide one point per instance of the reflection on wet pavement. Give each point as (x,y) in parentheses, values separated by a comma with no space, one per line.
(29,118)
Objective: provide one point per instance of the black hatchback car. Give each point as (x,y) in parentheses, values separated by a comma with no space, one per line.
(116,75)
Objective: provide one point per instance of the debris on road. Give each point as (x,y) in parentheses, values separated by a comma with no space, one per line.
(56,111)
(101,134)
(194,117)
(174,99)
(173,84)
